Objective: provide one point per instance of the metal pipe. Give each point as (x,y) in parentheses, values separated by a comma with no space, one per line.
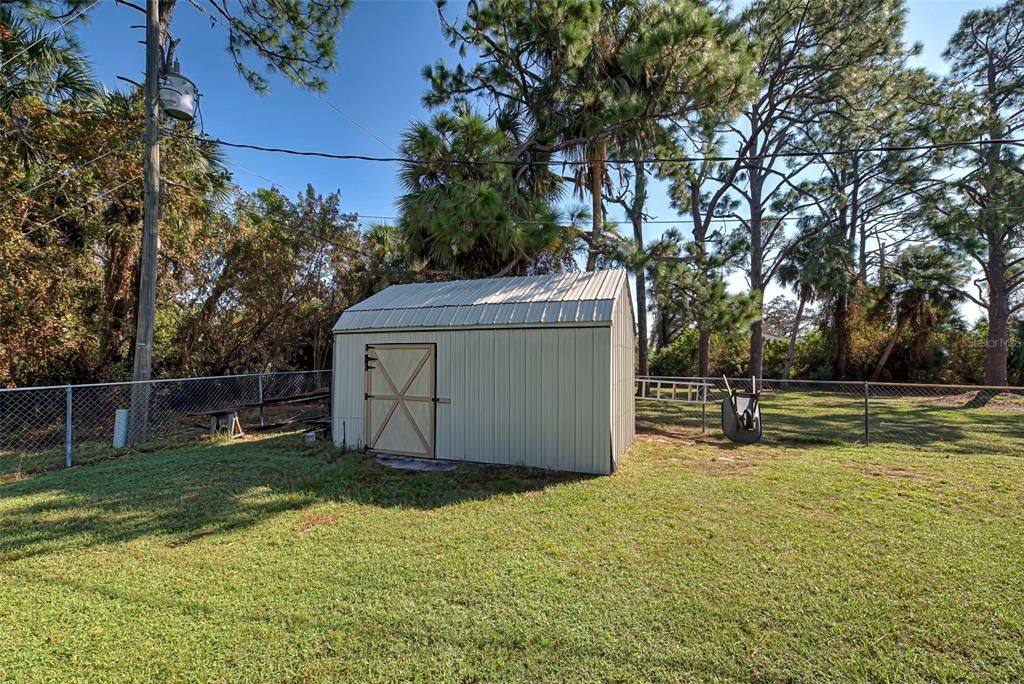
(259,395)
(867,439)
(67,425)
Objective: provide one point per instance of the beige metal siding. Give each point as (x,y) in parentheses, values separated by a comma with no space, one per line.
(536,397)
(623,418)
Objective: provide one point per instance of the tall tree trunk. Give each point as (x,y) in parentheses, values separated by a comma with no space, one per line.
(841,313)
(877,373)
(700,232)
(120,282)
(637,216)
(841,332)
(704,353)
(756,274)
(995,268)
(998,342)
(661,323)
(757,348)
(791,351)
(597,155)
(858,227)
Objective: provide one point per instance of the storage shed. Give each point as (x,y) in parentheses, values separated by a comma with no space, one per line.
(534,371)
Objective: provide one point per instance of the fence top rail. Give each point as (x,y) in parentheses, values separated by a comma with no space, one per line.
(703,382)
(158,380)
(925,385)
(846,383)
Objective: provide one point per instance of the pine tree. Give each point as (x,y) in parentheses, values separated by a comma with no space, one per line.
(981,210)
(582,75)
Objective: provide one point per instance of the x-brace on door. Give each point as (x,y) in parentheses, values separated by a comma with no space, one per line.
(400,407)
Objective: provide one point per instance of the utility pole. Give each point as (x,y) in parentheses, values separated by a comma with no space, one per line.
(143,362)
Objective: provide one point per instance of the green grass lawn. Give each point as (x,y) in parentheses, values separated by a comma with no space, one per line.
(265,560)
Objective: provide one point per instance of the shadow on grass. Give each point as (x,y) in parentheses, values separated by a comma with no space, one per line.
(185,494)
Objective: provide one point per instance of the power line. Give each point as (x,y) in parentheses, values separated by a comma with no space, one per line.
(56,28)
(261,176)
(64,173)
(77,206)
(215,21)
(583,162)
(648,222)
(356,123)
(683,220)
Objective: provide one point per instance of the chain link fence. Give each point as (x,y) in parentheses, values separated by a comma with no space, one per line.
(956,419)
(51,427)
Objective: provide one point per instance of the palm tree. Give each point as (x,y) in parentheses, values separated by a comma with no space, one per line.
(689,289)
(814,268)
(479,220)
(925,286)
(38,63)
(39,73)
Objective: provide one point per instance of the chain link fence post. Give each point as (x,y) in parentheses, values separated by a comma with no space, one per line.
(68,403)
(259,394)
(867,436)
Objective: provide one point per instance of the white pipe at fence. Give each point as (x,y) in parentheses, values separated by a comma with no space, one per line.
(68,406)
(259,395)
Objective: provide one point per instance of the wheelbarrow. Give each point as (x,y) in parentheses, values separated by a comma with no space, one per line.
(741,414)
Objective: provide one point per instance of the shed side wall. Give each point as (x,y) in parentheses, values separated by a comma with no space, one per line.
(537,397)
(623,409)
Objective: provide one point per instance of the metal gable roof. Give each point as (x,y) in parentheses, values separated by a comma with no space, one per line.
(557,299)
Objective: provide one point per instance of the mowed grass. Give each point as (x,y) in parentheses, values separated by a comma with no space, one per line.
(265,560)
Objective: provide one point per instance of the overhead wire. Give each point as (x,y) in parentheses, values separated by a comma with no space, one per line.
(92,198)
(584,162)
(215,20)
(356,123)
(64,173)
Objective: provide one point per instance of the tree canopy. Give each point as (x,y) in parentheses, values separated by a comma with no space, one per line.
(802,152)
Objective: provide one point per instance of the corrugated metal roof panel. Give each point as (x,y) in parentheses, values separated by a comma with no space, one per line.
(559,298)
(604,309)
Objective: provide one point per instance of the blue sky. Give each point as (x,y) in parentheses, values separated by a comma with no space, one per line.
(382,48)
(377,88)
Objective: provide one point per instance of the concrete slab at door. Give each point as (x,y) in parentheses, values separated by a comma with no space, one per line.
(400,407)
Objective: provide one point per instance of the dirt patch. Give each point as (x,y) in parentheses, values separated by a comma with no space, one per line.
(732,460)
(890,472)
(666,430)
(313,521)
(677,435)
(665,440)
(716,466)
(818,514)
